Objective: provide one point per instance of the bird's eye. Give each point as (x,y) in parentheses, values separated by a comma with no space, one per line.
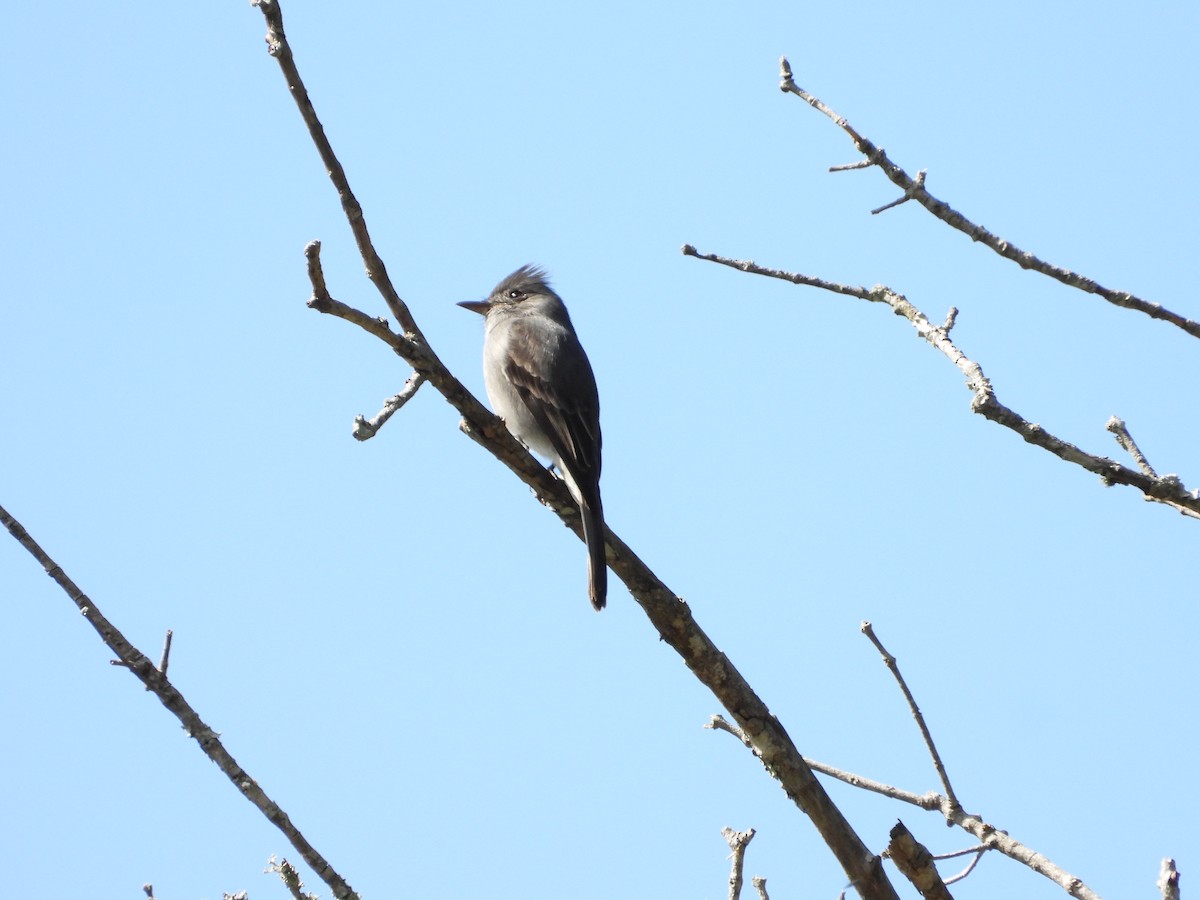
(514,294)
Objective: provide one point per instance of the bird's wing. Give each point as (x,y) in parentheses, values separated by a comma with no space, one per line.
(569,415)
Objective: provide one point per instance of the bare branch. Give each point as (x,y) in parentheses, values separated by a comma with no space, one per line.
(990,838)
(738,841)
(760,885)
(890,662)
(999,840)
(1125,439)
(915,862)
(951,318)
(278,47)
(1167,490)
(719,723)
(977,855)
(166,657)
(166,654)
(914,189)
(849,167)
(290,877)
(1168,880)
(209,741)
(917,185)
(365,429)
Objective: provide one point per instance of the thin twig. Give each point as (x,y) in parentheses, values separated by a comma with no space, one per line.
(760,885)
(890,662)
(951,318)
(166,655)
(990,837)
(977,855)
(930,800)
(1167,490)
(720,723)
(365,429)
(850,167)
(954,854)
(917,185)
(210,742)
(1125,439)
(738,841)
(914,189)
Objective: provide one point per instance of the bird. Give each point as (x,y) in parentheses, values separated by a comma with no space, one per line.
(540,382)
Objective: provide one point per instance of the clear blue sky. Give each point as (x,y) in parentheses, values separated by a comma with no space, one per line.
(394,638)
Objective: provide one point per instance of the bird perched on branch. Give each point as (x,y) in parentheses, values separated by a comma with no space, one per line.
(540,383)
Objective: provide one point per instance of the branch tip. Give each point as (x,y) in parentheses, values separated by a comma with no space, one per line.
(785,74)
(1167,490)
(914,188)
(846,167)
(737,840)
(951,318)
(890,662)
(1168,880)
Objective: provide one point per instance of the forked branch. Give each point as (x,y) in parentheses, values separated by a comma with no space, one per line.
(916,865)
(914,189)
(1168,489)
(156,682)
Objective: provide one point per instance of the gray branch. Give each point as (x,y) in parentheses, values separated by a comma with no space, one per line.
(916,863)
(1168,880)
(1167,490)
(914,189)
(890,662)
(738,841)
(156,682)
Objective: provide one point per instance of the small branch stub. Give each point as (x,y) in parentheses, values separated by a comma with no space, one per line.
(1168,880)
(915,862)
(951,318)
(720,723)
(166,655)
(365,429)
(737,840)
(910,192)
(1125,439)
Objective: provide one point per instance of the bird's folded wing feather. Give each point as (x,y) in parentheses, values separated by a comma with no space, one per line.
(570,416)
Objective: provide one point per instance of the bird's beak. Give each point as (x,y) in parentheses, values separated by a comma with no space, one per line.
(475,306)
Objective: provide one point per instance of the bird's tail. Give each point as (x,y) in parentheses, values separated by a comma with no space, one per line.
(593,534)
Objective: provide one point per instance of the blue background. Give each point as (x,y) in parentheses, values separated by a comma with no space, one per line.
(394,638)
